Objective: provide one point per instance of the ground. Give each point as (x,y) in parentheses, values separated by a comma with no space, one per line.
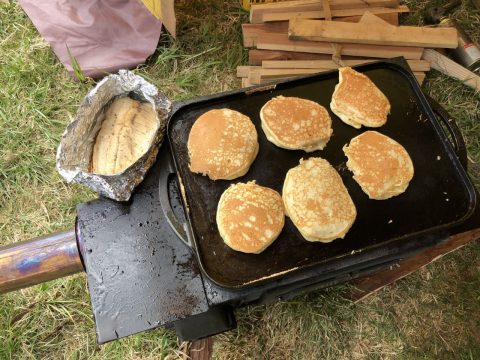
(432,314)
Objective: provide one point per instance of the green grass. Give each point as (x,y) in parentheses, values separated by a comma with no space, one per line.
(432,314)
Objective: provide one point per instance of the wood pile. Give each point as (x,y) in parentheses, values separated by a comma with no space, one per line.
(301,37)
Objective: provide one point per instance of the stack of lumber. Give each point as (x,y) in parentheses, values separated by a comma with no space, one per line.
(301,37)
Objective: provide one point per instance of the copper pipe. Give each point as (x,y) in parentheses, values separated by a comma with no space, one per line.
(38,260)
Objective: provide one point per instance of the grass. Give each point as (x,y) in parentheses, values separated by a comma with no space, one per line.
(432,314)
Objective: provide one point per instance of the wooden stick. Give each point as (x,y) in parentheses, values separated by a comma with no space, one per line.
(415,65)
(268,17)
(273,41)
(258,10)
(451,68)
(360,33)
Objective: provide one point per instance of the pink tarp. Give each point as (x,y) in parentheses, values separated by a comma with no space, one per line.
(103,36)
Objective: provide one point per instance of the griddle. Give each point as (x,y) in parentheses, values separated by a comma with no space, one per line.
(439,196)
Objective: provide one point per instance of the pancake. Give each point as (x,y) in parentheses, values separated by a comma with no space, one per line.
(296,124)
(222,144)
(381,166)
(357,101)
(317,201)
(250,217)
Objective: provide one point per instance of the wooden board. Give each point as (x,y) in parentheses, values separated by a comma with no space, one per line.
(368,285)
(415,65)
(257,11)
(256,56)
(389,18)
(372,34)
(420,76)
(273,41)
(370,18)
(451,68)
(252,31)
(201,349)
(268,17)
(256,75)
(259,75)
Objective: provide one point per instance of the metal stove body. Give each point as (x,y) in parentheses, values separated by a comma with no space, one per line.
(141,276)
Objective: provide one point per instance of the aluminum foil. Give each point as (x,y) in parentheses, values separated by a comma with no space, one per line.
(76,146)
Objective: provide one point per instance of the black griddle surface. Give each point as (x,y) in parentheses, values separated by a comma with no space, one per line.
(439,195)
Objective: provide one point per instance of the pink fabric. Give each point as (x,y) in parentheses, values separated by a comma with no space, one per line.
(103,36)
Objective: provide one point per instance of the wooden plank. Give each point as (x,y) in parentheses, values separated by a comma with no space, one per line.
(370,18)
(451,68)
(327,11)
(242,71)
(389,18)
(271,36)
(246,82)
(372,34)
(368,285)
(259,75)
(201,349)
(256,56)
(420,76)
(272,41)
(276,73)
(268,17)
(415,65)
(258,10)
(252,31)
(256,76)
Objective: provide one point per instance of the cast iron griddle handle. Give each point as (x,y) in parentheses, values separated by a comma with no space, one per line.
(451,126)
(38,260)
(180,229)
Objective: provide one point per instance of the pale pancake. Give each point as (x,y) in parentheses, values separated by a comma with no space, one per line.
(222,144)
(381,166)
(317,201)
(126,134)
(358,101)
(250,217)
(296,124)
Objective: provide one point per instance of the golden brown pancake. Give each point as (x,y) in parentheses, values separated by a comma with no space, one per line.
(250,217)
(381,166)
(357,101)
(222,144)
(296,124)
(125,136)
(317,201)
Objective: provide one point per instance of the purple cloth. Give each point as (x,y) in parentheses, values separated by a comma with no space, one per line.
(103,36)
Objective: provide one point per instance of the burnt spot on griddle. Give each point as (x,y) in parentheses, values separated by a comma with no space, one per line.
(189,266)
